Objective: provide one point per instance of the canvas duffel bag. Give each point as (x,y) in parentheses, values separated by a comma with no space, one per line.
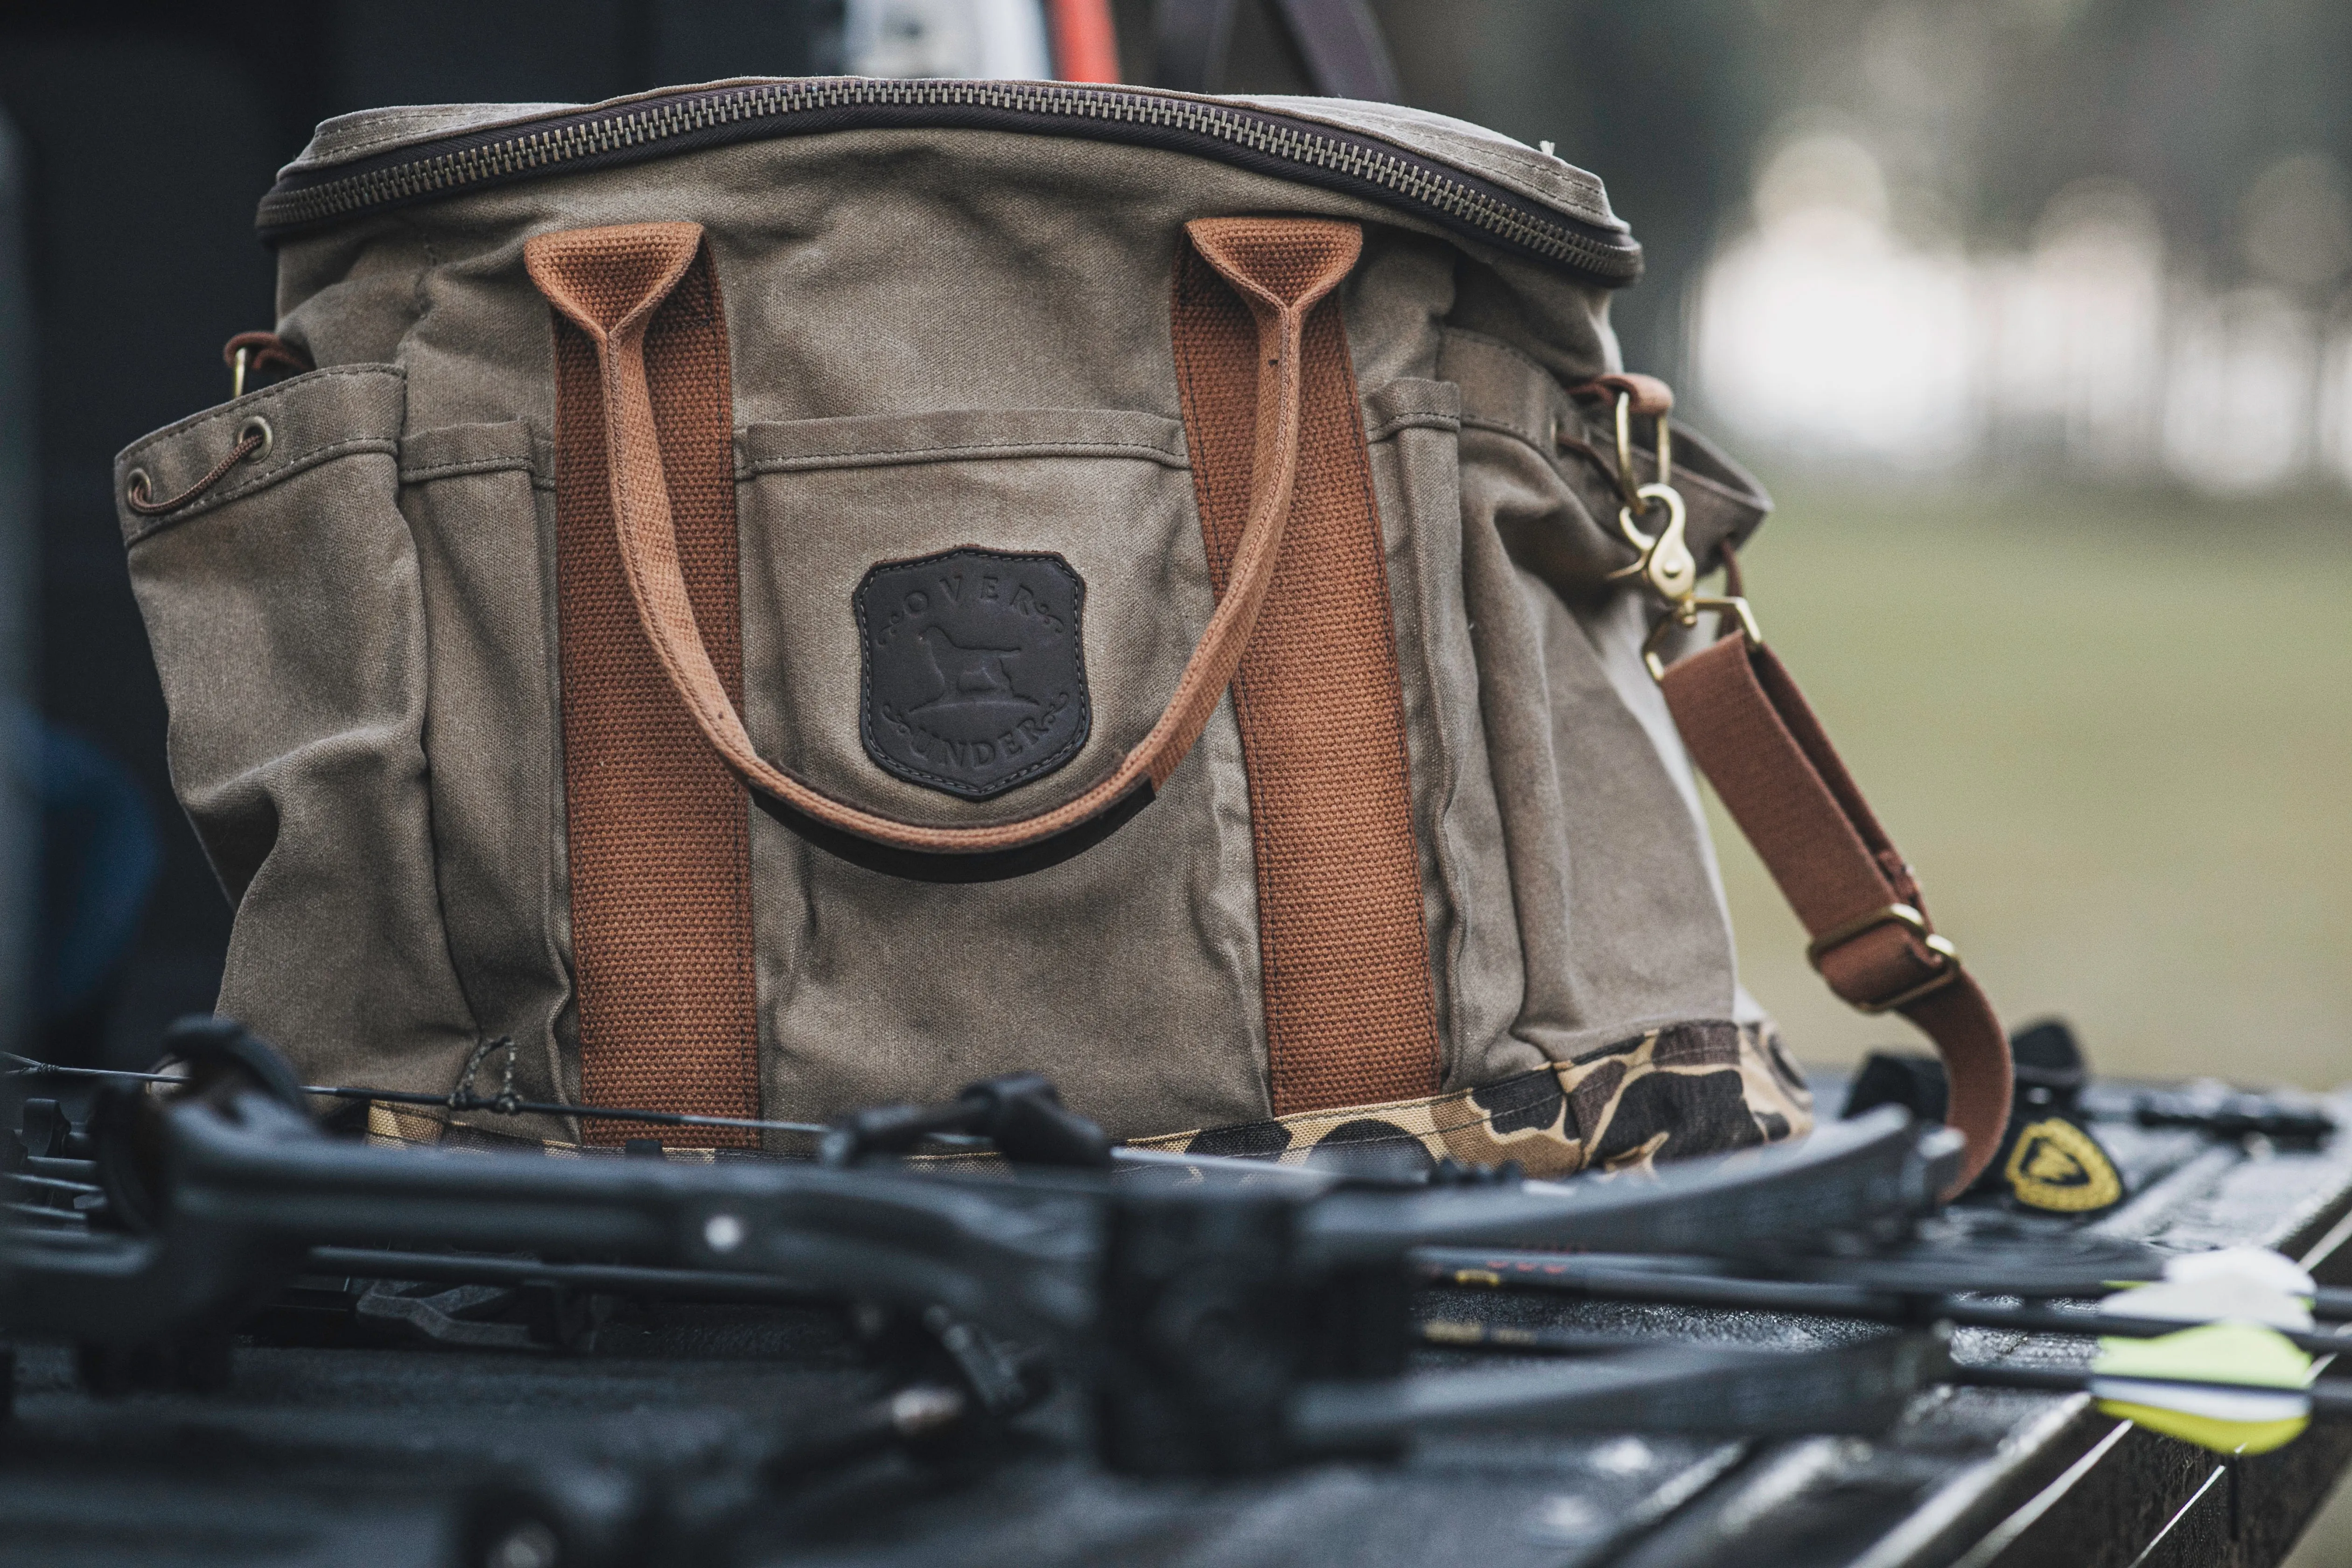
(784,595)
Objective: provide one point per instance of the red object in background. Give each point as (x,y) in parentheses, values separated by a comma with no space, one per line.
(1084,46)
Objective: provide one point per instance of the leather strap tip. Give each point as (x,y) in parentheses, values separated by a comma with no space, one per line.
(1286,263)
(1650,396)
(608,279)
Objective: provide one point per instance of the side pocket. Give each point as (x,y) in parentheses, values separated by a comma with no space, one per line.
(1413,430)
(285,614)
(1619,917)
(479,501)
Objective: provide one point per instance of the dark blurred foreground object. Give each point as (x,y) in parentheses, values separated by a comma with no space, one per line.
(2216,1109)
(776,1427)
(2049,1160)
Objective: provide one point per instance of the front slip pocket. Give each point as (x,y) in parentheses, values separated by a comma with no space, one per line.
(1128,973)
(965,618)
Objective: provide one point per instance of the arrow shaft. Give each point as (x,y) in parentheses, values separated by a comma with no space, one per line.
(2333,1400)
(1563,1274)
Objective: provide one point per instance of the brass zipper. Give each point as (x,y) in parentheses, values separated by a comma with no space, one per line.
(665,126)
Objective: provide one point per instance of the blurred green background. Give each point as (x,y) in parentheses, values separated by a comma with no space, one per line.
(2036,316)
(2113,732)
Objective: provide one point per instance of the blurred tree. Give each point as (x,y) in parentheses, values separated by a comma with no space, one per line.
(1664,101)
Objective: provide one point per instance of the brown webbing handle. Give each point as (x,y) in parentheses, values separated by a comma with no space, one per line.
(1753,735)
(610,280)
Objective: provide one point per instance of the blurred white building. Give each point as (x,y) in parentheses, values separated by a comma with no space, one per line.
(1826,333)
(1005,39)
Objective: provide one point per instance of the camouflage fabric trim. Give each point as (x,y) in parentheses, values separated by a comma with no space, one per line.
(1678,1092)
(1675,1092)
(402,1127)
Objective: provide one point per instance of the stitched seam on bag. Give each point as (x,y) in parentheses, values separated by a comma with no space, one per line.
(457,466)
(1452,875)
(238,412)
(1684,480)
(1509,349)
(356,447)
(1656,1026)
(1501,427)
(1395,423)
(976,451)
(1430,841)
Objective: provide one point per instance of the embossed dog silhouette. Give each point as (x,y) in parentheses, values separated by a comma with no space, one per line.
(967,674)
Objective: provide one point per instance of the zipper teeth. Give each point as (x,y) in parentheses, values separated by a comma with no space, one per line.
(551,147)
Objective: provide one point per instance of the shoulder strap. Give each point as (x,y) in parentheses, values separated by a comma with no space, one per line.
(1338,39)
(1752,733)
(1345,53)
(1755,737)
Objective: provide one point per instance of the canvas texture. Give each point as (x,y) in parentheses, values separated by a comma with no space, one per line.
(937,348)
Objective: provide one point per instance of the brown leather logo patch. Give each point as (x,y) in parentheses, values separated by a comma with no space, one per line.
(975,677)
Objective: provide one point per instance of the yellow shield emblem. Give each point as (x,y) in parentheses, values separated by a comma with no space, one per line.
(2055,1166)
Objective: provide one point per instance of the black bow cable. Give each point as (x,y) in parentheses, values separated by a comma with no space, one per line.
(501,1104)
(507,1104)
(606,1278)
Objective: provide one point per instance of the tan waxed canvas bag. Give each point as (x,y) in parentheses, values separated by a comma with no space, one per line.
(778,595)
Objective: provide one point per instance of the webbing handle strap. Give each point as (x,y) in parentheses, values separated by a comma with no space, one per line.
(1756,738)
(610,280)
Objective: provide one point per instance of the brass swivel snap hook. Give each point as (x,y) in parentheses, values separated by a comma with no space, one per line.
(1666,562)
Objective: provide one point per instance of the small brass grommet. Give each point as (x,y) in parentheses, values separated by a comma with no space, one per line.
(255,425)
(138,485)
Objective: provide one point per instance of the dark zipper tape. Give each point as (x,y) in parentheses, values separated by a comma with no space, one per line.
(665,126)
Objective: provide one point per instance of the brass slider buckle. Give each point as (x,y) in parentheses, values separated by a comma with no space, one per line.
(1893,914)
(1683,614)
